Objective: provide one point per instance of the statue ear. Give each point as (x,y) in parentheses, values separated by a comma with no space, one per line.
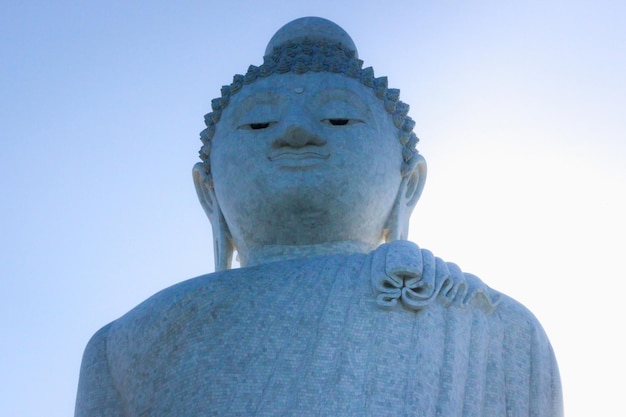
(222,241)
(397,227)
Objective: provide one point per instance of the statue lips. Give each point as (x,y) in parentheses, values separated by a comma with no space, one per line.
(299,158)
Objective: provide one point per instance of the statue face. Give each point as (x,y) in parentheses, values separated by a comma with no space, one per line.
(305,159)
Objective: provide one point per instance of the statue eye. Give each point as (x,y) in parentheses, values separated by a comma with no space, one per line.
(256,126)
(342,122)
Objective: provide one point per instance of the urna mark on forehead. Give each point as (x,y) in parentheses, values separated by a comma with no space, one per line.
(313,44)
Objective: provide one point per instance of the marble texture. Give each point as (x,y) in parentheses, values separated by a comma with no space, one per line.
(310,173)
(308,337)
(310,112)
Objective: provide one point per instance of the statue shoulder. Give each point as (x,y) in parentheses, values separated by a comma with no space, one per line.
(404,274)
(97,394)
(528,359)
(170,303)
(114,349)
(515,315)
(148,321)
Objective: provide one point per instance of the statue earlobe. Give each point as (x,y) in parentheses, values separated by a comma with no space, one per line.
(411,187)
(222,241)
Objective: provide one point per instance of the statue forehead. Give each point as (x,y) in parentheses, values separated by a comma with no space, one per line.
(316,89)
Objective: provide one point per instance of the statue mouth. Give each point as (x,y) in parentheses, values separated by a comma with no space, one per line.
(297,155)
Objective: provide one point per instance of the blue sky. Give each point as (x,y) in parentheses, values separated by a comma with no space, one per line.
(520,111)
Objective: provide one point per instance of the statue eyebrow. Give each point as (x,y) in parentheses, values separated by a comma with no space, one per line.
(344,95)
(259,97)
(241,109)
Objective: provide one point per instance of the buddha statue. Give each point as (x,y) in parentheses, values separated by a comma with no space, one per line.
(310,173)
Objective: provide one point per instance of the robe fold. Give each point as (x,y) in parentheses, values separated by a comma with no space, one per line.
(396,332)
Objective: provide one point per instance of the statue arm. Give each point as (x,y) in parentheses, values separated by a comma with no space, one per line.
(529,363)
(97,395)
(546,385)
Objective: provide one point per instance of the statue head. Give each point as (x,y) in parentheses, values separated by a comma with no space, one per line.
(307,152)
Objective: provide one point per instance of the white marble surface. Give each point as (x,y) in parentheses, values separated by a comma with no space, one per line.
(307,337)
(321,320)
(302,181)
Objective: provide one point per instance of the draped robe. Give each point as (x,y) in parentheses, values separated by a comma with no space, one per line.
(396,332)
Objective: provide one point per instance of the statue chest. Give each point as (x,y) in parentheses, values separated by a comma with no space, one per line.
(307,348)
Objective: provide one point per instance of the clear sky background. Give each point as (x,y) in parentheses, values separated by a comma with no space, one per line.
(521,111)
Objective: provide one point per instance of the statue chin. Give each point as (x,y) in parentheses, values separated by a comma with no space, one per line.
(304,226)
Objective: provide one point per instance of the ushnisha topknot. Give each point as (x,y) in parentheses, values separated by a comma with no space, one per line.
(314,44)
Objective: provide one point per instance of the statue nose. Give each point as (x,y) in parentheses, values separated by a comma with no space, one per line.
(298,136)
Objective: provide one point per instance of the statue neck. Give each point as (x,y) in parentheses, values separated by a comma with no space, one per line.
(272,253)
